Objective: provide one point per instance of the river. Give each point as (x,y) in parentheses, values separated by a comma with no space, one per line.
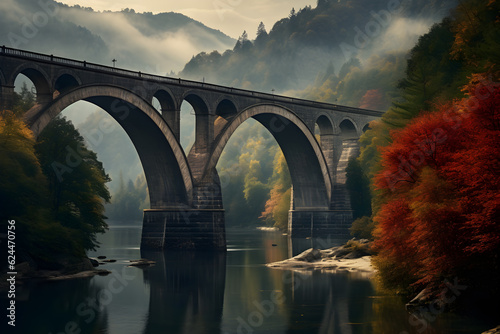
(193,293)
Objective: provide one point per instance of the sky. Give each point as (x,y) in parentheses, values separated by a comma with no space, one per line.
(228,16)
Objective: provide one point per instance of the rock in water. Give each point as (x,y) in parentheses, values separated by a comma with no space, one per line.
(493,331)
(309,255)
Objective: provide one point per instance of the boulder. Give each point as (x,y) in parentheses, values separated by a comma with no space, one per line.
(309,255)
(495,330)
(94,263)
(341,252)
(423,298)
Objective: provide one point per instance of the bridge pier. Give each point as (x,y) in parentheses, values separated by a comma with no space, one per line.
(319,223)
(184,228)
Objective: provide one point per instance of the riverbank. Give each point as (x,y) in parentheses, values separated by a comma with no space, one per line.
(25,272)
(354,256)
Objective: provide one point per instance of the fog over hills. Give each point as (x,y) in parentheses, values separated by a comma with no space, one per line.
(156,43)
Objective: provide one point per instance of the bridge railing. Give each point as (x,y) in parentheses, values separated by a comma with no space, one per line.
(164,79)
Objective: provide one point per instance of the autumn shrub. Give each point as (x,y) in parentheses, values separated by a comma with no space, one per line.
(363,228)
(439,181)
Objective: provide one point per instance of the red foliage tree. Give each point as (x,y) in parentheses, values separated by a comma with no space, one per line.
(440,183)
(372,99)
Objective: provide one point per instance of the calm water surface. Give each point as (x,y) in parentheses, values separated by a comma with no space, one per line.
(192,293)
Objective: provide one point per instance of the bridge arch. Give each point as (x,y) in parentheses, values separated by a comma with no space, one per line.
(165,97)
(308,169)
(348,128)
(38,76)
(203,129)
(366,127)
(65,81)
(164,163)
(325,124)
(226,107)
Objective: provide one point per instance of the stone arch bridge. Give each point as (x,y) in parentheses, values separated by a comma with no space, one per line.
(185,191)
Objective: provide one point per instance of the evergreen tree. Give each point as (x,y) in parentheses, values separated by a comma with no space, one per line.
(261,30)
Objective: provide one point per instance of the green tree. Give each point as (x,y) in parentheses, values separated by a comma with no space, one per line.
(23,196)
(129,200)
(77,181)
(358,186)
(23,100)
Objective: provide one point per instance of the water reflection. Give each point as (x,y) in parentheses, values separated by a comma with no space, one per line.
(70,306)
(187,292)
(320,303)
(213,293)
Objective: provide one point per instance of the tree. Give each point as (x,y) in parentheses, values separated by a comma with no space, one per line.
(261,30)
(23,196)
(358,186)
(24,100)
(77,181)
(440,179)
(372,99)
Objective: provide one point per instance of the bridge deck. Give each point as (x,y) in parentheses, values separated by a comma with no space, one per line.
(84,65)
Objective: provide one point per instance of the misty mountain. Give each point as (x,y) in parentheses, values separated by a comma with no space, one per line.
(304,44)
(156,43)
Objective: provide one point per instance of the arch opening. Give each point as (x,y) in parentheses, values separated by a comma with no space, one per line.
(164,103)
(325,125)
(165,167)
(324,131)
(103,135)
(226,109)
(39,81)
(65,83)
(25,89)
(203,129)
(251,167)
(224,112)
(366,127)
(187,117)
(348,130)
(308,169)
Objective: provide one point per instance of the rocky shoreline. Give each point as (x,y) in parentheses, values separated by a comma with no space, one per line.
(354,256)
(69,269)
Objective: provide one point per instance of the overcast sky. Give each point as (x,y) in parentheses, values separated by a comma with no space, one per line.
(229,16)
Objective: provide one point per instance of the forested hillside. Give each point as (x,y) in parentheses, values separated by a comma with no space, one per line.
(316,42)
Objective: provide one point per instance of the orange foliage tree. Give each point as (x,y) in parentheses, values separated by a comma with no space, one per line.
(372,99)
(440,181)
